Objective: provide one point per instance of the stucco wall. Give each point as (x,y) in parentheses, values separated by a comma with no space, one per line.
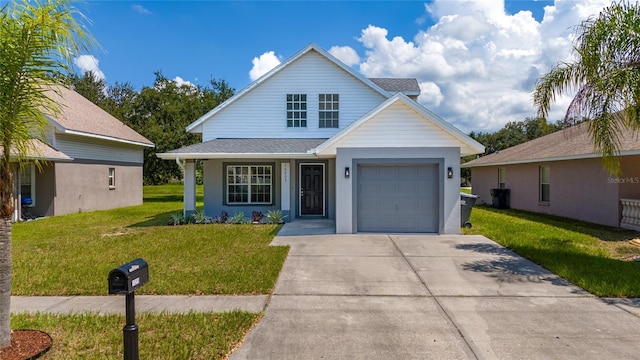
(449,222)
(84,187)
(579,189)
(214,187)
(629,179)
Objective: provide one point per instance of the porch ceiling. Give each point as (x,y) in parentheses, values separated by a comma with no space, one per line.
(246,148)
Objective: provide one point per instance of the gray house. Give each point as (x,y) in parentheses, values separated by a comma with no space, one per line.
(315,139)
(93,162)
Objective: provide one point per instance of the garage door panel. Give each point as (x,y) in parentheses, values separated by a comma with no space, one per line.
(397,198)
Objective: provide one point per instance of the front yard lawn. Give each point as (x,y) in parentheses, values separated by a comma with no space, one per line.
(73,254)
(161,336)
(593,257)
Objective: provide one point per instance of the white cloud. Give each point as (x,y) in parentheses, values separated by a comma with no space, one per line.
(140,9)
(263,64)
(89,63)
(345,54)
(477,65)
(180,81)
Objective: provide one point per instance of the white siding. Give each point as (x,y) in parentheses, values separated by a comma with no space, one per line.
(396,126)
(261,112)
(79,147)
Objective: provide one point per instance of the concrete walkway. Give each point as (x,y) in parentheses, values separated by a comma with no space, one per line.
(442,297)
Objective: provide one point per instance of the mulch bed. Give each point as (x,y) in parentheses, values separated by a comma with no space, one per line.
(26,345)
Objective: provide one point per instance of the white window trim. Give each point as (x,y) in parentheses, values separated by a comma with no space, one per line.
(249,184)
(502,178)
(112,178)
(302,112)
(33,184)
(329,111)
(541,183)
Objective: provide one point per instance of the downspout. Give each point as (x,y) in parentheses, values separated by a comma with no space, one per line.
(180,163)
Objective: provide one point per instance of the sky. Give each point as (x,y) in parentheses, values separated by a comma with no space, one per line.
(476,61)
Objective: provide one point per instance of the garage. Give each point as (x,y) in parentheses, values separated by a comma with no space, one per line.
(397,198)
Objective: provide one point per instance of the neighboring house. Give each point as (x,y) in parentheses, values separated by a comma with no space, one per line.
(315,139)
(561,174)
(92,162)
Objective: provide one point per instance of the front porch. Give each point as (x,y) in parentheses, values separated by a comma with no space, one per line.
(301,227)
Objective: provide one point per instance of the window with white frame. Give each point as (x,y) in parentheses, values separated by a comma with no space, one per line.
(112,178)
(249,184)
(545,182)
(501,178)
(296,110)
(28,184)
(328,110)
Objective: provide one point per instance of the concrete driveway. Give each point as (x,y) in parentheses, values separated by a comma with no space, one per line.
(431,297)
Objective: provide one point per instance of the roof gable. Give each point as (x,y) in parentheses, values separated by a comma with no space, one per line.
(571,143)
(79,116)
(196,126)
(400,122)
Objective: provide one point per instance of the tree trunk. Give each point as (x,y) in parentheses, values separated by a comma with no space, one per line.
(6,210)
(5,282)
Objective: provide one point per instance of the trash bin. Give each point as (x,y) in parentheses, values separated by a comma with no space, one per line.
(500,198)
(466,203)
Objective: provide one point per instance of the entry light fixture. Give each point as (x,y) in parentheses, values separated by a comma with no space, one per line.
(347,173)
(450,172)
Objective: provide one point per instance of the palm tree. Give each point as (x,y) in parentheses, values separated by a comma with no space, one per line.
(605,77)
(38,40)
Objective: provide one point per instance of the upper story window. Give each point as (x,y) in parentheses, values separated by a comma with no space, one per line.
(328,110)
(501,178)
(545,182)
(296,110)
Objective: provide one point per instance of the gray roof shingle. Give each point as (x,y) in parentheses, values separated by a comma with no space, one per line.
(573,142)
(251,146)
(404,85)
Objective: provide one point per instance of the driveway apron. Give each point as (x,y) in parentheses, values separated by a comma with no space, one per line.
(431,297)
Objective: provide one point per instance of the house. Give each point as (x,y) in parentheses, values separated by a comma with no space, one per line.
(92,161)
(561,174)
(315,139)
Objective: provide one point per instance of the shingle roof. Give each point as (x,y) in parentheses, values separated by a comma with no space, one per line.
(81,115)
(41,151)
(571,143)
(251,146)
(406,85)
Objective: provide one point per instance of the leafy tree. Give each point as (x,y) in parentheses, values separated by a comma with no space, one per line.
(160,113)
(512,134)
(37,42)
(606,76)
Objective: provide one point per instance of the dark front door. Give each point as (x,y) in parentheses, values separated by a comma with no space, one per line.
(312,189)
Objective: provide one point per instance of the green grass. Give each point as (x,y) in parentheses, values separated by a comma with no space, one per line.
(161,336)
(588,255)
(73,254)
(466,190)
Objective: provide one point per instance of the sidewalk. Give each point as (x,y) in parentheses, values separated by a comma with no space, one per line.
(115,304)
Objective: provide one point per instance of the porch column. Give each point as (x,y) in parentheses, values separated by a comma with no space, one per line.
(189,187)
(285,190)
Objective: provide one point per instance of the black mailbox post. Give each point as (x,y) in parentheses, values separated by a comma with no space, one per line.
(126,279)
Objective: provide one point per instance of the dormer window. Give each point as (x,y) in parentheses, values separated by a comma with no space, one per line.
(296,110)
(328,110)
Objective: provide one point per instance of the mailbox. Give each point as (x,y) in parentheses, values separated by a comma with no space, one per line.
(129,277)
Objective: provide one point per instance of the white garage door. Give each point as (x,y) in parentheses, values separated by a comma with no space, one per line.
(397,198)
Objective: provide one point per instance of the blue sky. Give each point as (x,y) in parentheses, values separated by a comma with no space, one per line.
(476,61)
